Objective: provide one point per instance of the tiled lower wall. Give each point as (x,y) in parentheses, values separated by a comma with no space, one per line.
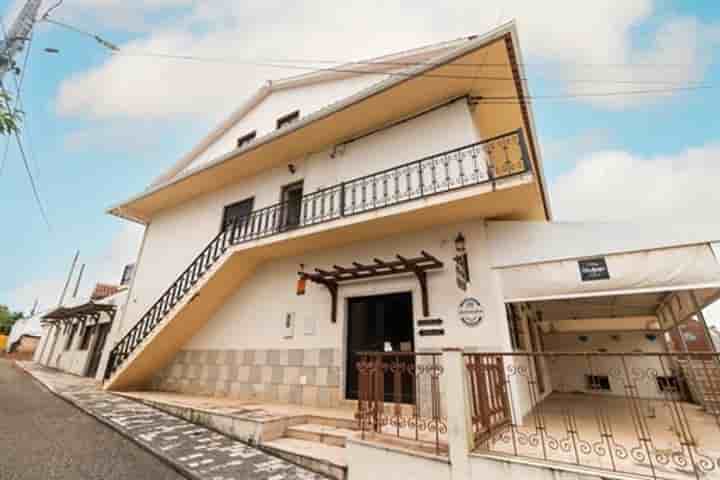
(305,377)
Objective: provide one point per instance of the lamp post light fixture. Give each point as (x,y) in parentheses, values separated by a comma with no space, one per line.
(460,243)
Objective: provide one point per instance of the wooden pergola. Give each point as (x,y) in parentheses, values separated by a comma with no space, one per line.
(380,268)
(90,310)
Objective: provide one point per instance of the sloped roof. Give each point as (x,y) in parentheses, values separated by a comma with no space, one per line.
(398,64)
(180,184)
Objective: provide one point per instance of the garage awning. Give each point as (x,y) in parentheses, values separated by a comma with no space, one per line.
(690,267)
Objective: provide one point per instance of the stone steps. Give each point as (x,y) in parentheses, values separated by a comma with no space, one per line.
(320,434)
(319,457)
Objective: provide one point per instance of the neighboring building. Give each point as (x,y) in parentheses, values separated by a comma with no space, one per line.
(25,335)
(334,242)
(77,337)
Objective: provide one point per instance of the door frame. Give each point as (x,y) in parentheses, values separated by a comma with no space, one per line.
(370,290)
(96,348)
(283,210)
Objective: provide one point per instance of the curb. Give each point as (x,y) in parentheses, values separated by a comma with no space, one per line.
(179,468)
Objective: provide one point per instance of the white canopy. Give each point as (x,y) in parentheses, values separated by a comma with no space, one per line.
(536,271)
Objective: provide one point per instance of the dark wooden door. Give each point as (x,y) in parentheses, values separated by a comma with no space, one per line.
(372,322)
(291,205)
(101,332)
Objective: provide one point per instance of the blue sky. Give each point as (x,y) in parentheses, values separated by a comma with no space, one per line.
(100,127)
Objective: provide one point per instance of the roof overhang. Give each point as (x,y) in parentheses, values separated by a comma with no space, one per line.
(89,308)
(400,96)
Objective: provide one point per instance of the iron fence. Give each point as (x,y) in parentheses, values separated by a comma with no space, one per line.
(482,162)
(628,413)
(399,396)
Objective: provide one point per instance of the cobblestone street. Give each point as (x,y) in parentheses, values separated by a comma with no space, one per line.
(196,451)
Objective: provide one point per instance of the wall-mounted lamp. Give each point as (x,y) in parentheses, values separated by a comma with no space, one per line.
(291,168)
(460,243)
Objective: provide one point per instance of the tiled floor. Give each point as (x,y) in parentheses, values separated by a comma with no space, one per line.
(572,434)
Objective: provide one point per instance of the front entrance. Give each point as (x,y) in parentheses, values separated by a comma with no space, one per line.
(376,324)
(102,331)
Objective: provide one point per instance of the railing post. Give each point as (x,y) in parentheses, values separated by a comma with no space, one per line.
(342,199)
(457,406)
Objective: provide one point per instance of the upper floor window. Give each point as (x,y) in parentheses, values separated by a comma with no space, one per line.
(247,138)
(127,274)
(237,212)
(287,119)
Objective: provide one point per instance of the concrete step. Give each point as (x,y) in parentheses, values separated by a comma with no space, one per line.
(319,457)
(320,433)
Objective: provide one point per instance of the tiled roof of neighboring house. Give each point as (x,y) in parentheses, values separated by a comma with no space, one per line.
(103,290)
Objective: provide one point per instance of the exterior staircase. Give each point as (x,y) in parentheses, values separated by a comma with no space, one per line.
(182,309)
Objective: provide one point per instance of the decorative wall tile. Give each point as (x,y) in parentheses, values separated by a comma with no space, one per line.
(273,357)
(295,357)
(333,377)
(309,374)
(260,375)
(326,357)
(311,358)
(321,376)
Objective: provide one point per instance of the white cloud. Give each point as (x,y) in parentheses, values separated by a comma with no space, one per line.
(566,32)
(617,185)
(106,268)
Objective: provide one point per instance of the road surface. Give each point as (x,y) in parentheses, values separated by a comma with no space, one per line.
(45,438)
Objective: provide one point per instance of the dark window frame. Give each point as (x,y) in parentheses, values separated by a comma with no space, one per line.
(247,138)
(224,220)
(287,119)
(285,223)
(598,383)
(71,336)
(127,274)
(87,335)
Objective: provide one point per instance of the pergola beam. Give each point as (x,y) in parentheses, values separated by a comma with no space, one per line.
(419,266)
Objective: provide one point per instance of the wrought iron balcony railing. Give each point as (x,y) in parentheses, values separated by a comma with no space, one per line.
(478,163)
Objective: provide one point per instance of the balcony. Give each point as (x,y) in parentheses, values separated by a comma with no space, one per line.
(482,163)
(486,179)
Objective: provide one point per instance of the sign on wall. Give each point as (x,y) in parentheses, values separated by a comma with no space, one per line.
(471,312)
(593,269)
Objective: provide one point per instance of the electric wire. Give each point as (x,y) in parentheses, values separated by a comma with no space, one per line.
(341,67)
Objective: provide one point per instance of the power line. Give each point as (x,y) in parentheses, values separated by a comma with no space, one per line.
(32,181)
(340,67)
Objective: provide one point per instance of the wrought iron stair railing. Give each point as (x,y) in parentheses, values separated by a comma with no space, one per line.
(482,162)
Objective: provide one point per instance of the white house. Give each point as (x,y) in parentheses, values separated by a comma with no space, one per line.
(77,337)
(377,239)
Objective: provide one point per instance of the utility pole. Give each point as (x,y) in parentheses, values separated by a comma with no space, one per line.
(67,282)
(77,285)
(17,35)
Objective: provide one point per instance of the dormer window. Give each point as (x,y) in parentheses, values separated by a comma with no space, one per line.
(288,119)
(247,138)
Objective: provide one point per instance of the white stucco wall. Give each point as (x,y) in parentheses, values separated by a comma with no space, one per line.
(568,373)
(263,117)
(253,318)
(176,236)
(51,350)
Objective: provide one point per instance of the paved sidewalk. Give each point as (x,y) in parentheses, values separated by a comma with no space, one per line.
(198,452)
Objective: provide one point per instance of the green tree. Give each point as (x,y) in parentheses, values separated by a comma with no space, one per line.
(8,319)
(10,118)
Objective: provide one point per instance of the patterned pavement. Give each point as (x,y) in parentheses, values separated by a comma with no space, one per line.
(197,451)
